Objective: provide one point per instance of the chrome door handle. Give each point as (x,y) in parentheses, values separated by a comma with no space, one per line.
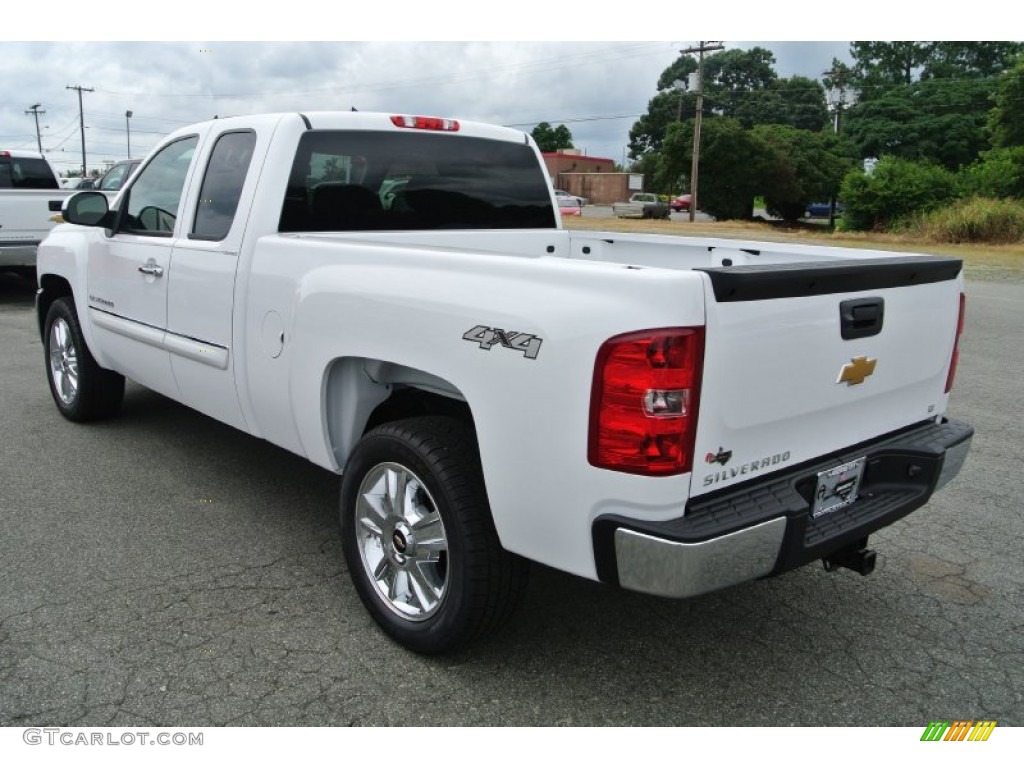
(152,269)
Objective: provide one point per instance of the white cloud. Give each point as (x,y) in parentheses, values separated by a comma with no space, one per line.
(597,88)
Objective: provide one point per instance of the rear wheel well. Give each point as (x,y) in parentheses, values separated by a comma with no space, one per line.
(409,402)
(361,394)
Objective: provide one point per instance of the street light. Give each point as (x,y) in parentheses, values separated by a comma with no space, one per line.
(128,131)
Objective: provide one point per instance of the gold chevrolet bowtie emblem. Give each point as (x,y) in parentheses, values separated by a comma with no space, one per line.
(855,371)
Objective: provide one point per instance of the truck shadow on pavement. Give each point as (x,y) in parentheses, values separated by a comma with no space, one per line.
(16,291)
(222,578)
(575,651)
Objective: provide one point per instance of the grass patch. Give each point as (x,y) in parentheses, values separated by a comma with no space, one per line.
(981,261)
(977,220)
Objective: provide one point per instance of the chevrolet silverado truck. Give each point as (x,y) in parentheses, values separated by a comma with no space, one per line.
(642,205)
(30,199)
(393,297)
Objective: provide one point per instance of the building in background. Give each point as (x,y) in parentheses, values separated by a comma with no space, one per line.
(592,178)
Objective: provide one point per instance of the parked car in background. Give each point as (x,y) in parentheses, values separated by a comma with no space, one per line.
(582,200)
(680,203)
(642,205)
(117,175)
(568,205)
(820,210)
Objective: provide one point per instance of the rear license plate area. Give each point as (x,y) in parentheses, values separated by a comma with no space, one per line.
(837,487)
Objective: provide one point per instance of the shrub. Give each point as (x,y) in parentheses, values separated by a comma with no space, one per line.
(997,173)
(895,190)
(977,220)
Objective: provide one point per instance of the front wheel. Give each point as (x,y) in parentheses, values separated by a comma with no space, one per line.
(82,390)
(418,536)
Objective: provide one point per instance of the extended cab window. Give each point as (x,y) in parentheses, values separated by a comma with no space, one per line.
(222,185)
(151,207)
(382,180)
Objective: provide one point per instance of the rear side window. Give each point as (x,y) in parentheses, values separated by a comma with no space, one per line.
(377,180)
(222,185)
(26,173)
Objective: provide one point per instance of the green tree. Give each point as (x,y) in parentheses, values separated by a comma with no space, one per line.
(552,139)
(795,101)
(733,161)
(729,78)
(803,167)
(878,64)
(732,74)
(1006,120)
(895,189)
(998,173)
(969,58)
(941,121)
(648,133)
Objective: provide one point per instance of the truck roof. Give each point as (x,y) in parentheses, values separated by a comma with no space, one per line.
(374,121)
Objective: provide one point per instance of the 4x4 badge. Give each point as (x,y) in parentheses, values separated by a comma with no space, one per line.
(855,371)
(486,337)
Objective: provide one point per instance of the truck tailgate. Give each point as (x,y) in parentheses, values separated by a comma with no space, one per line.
(26,215)
(806,359)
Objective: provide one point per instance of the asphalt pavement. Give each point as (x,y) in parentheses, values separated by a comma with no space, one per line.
(162,569)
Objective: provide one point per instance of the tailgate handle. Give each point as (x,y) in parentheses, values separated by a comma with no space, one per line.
(860,318)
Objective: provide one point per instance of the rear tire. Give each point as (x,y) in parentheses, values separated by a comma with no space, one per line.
(81,389)
(418,536)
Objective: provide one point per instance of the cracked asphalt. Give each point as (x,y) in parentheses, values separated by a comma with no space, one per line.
(161,569)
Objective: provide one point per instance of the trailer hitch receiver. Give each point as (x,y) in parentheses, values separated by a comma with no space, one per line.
(857,557)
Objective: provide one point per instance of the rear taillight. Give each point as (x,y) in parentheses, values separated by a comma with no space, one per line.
(643,408)
(956,344)
(425,123)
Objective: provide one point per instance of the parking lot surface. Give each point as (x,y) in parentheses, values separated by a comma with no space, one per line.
(163,569)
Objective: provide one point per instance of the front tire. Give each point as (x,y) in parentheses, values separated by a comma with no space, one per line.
(418,536)
(81,389)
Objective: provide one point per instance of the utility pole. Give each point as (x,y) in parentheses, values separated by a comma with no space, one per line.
(34,110)
(700,50)
(81,121)
(839,78)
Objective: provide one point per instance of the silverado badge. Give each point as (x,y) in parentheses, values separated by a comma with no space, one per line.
(855,371)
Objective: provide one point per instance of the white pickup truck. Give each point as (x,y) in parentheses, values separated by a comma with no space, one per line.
(393,297)
(30,199)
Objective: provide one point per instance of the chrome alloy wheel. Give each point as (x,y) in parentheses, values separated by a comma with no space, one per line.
(63,362)
(402,541)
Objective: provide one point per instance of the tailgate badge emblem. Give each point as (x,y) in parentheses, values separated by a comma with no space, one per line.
(722,457)
(855,371)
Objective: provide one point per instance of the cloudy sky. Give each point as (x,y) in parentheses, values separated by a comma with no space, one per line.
(598,89)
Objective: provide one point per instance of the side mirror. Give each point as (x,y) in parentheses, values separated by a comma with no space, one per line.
(90,209)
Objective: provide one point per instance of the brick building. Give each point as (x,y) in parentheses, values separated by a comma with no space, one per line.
(594,178)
